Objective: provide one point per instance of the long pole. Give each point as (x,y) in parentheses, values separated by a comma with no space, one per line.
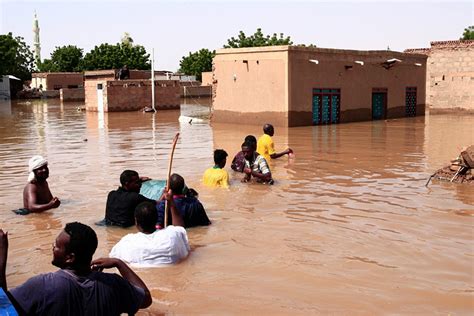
(153,79)
(170,164)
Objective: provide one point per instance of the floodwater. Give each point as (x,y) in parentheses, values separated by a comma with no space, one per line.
(348,228)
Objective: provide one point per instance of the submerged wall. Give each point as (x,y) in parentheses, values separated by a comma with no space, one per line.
(72,94)
(450,75)
(251,85)
(131,95)
(356,74)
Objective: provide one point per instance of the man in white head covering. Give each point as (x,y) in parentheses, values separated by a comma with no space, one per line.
(36,196)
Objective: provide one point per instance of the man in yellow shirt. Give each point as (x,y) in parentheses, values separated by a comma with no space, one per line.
(266,147)
(217,176)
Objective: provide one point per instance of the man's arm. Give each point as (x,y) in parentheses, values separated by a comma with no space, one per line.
(31,198)
(127,274)
(262,176)
(176,218)
(278,155)
(3,259)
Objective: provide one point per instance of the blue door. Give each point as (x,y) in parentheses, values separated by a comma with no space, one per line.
(379,105)
(326,106)
(316,114)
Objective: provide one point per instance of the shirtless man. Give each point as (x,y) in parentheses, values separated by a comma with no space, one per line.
(36,195)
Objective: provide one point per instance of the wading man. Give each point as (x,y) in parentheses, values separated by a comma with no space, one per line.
(36,195)
(266,147)
(78,287)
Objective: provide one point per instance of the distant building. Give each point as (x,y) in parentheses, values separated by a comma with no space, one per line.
(5,88)
(298,86)
(104,93)
(450,75)
(57,80)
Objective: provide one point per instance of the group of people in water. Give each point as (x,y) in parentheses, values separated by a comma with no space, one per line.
(80,287)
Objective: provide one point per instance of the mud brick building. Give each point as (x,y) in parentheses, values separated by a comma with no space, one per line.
(450,75)
(104,93)
(298,86)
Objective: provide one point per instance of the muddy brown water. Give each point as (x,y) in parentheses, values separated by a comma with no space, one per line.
(348,228)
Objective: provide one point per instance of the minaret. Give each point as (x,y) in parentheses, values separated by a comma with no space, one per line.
(36,41)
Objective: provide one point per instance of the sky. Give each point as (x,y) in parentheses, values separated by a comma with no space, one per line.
(175,28)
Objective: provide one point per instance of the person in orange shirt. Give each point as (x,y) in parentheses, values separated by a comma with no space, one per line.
(266,147)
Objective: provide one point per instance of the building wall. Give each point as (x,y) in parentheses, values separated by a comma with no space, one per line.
(450,75)
(337,69)
(71,94)
(57,80)
(275,84)
(90,92)
(206,78)
(251,85)
(132,95)
(4,88)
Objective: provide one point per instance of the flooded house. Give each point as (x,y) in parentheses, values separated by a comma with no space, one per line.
(105,93)
(300,86)
(66,85)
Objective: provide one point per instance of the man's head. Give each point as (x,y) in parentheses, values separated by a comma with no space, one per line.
(220,157)
(251,139)
(130,181)
(74,246)
(248,148)
(38,168)
(176,183)
(146,217)
(268,129)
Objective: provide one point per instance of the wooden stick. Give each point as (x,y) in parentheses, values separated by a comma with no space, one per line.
(175,140)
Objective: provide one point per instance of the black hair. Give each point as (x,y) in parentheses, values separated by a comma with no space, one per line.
(267,127)
(250,138)
(219,156)
(146,216)
(248,144)
(82,242)
(176,183)
(127,175)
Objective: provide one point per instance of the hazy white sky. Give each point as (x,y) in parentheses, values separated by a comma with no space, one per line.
(175,28)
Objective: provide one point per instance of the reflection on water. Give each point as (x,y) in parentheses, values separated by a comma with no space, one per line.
(348,226)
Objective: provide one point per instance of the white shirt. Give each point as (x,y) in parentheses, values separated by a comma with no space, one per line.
(164,246)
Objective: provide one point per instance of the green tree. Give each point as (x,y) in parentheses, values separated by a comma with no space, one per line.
(66,58)
(257,40)
(468,33)
(196,63)
(108,56)
(16,57)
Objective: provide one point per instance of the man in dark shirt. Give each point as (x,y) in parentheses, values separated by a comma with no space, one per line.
(187,204)
(78,288)
(122,202)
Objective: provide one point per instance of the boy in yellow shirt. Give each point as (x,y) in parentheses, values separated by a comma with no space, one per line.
(266,147)
(217,176)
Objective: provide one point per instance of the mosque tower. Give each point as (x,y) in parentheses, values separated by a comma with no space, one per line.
(36,41)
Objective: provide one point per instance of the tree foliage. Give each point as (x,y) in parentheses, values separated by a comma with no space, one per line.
(108,56)
(468,33)
(196,63)
(257,40)
(66,58)
(16,57)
